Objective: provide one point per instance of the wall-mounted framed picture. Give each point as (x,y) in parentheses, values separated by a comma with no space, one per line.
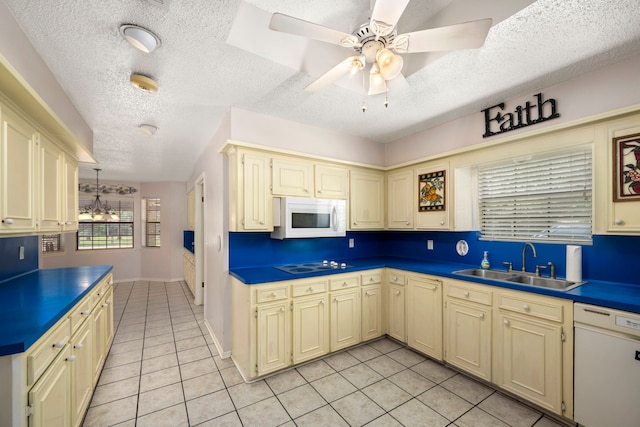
(626,168)
(431,194)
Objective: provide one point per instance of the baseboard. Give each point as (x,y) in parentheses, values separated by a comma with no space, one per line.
(223,354)
(143,279)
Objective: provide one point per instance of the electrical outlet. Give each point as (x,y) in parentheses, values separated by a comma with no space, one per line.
(430,245)
(352,243)
(21,253)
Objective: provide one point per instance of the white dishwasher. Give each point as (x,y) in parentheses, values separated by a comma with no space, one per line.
(607,367)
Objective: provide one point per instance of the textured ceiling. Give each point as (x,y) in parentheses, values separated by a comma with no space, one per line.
(219,54)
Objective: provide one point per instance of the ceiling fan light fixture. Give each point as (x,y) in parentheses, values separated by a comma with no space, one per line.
(390,64)
(377,83)
(140,38)
(144,83)
(148,129)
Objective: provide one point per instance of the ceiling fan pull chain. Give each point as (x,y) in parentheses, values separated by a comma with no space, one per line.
(364,96)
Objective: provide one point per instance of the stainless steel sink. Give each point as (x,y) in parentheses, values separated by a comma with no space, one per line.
(520,277)
(487,274)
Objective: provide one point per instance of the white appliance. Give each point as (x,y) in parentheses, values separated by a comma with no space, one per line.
(607,367)
(300,217)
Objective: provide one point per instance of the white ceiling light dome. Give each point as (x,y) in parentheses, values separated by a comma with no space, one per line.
(140,38)
(148,129)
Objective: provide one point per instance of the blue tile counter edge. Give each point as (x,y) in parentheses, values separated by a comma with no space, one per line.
(30,304)
(620,296)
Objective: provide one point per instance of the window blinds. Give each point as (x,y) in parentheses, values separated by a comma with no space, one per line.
(543,198)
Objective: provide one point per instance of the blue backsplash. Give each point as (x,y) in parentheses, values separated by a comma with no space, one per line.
(10,263)
(610,258)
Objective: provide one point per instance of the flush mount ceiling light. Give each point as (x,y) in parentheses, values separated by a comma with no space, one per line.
(144,83)
(140,38)
(148,129)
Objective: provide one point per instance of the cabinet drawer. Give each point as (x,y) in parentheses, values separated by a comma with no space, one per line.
(344,282)
(81,312)
(100,291)
(472,294)
(542,308)
(396,279)
(372,277)
(272,294)
(309,288)
(46,349)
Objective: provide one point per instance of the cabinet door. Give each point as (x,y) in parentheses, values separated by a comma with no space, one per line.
(70,193)
(331,182)
(257,201)
(81,372)
(291,178)
(345,319)
(424,315)
(17,177)
(367,200)
(400,199)
(274,344)
(528,359)
(434,219)
(50,398)
(310,327)
(371,311)
(99,339)
(397,317)
(49,186)
(468,337)
(109,330)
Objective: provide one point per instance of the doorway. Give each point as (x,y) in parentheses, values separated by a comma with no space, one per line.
(199,233)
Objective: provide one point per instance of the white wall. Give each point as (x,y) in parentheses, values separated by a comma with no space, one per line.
(163,264)
(597,92)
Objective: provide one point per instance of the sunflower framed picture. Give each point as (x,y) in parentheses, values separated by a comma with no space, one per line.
(626,168)
(431,194)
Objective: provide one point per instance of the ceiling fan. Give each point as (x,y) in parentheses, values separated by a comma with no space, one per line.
(376,40)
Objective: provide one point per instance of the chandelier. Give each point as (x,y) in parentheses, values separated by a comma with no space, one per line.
(96,210)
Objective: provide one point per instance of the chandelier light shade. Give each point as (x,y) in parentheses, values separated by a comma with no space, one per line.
(390,64)
(96,210)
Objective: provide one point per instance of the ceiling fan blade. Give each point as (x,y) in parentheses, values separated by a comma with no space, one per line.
(299,27)
(468,35)
(352,63)
(388,11)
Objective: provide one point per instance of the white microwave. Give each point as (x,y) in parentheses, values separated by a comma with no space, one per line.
(300,217)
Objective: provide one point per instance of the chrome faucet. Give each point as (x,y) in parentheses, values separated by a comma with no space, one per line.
(524,250)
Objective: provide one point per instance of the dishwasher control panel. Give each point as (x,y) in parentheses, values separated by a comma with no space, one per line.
(607,318)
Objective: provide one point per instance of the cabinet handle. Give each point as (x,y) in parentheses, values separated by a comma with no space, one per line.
(58,344)
(310,289)
(344,283)
(61,223)
(367,294)
(281,308)
(408,223)
(397,292)
(71,358)
(525,307)
(322,301)
(355,223)
(78,346)
(261,222)
(319,191)
(371,279)
(273,294)
(306,190)
(101,293)
(619,221)
(482,315)
(441,222)
(506,322)
(68,223)
(8,221)
(466,294)
(395,279)
(106,304)
(335,300)
(85,313)
(434,288)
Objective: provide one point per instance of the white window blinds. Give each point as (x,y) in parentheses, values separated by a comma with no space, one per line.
(543,198)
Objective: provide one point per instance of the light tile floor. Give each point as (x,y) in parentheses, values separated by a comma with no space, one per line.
(163,370)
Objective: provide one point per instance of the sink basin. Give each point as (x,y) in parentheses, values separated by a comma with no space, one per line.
(487,274)
(522,278)
(545,282)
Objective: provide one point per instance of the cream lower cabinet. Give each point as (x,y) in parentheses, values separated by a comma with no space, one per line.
(467,327)
(274,343)
(371,307)
(50,398)
(345,309)
(396,301)
(102,328)
(424,314)
(533,349)
(310,332)
(189,270)
(81,372)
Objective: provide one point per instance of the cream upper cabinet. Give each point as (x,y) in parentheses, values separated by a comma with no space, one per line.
(434,204)
(17,174)
(69,193)
(366,200)
(424,314)
(191,209)
(250,200)
(401,199)
(50,175)
(291,177)
(467,328)
(331,182)
(533,349)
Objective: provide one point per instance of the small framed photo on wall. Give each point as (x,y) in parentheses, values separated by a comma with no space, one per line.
(626,168)
(431,194)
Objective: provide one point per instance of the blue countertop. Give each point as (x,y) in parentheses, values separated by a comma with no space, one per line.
(33,302)
(620,296)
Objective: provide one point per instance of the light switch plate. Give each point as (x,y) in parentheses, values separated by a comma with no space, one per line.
(21,253)
(430,245)
(352,243)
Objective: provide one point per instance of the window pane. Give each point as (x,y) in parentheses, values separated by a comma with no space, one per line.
(111,234)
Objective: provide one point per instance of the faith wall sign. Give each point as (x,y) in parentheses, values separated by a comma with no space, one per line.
(496,121)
